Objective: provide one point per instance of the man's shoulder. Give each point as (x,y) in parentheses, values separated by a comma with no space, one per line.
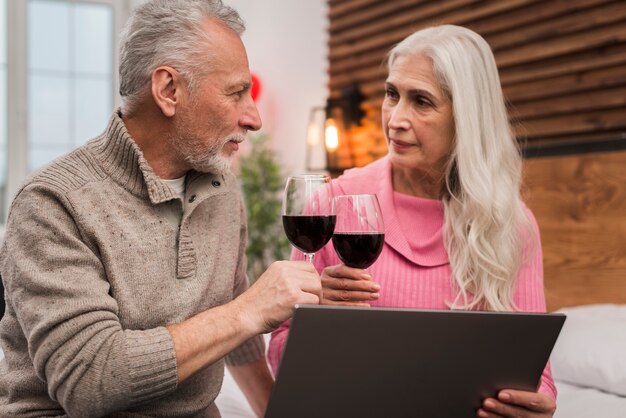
(68,172)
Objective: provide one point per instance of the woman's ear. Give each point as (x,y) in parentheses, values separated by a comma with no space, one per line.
(166,89)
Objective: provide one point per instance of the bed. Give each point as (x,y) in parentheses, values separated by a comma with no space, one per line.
(231,402)
(588,364)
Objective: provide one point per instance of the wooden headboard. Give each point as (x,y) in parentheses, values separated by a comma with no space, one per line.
(580,204)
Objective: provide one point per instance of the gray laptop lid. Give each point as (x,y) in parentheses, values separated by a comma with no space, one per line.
(371,362)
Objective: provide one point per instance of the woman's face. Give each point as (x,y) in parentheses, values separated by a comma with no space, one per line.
(417,117)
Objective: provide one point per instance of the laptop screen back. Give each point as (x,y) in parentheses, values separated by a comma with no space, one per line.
(372,362)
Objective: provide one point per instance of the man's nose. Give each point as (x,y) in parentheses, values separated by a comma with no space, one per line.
(251,120)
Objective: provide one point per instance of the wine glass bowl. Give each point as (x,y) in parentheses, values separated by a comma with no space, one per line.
(359,230)
(308,212)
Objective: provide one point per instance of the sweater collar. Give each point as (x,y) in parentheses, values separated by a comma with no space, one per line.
(432,253)
(394,232)
(123,161)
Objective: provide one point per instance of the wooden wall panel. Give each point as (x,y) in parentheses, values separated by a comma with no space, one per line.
(562,66)
(580,205)
(562,62)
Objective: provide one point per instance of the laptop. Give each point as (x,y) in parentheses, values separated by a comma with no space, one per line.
(344,362)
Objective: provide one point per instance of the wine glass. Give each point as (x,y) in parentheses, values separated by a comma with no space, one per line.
(308,212)
(359,232)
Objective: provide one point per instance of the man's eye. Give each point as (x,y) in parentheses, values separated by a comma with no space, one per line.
(391,93)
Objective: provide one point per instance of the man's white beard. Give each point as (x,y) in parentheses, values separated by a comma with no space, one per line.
(211,160)
(216,164)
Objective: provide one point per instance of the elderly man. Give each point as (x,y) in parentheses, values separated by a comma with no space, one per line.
(124,261)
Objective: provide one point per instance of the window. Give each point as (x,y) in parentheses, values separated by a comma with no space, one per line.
(70,68)
(60,70)
(3,105)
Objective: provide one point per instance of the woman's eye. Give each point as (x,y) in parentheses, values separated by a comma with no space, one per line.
(422,102)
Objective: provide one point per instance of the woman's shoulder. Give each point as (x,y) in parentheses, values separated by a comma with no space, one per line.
(366,179)
(530,217)
(530,234)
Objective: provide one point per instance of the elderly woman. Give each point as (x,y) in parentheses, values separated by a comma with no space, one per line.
(457,234)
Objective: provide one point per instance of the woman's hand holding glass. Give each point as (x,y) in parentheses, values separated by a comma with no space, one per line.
(358,241)
(343,285)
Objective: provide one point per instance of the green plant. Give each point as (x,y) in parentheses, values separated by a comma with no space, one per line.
(262,183)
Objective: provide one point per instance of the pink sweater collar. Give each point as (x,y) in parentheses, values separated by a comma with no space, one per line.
(376,178)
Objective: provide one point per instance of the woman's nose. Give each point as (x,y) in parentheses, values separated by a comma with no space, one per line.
(398,117)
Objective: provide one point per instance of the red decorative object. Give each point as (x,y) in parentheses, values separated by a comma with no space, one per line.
(256,87)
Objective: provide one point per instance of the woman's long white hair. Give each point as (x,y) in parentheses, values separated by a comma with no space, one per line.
(483,209)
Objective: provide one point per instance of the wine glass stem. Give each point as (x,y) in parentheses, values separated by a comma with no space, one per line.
(309,257)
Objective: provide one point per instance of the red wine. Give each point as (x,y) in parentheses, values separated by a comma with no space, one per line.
(309,233)
(358,250)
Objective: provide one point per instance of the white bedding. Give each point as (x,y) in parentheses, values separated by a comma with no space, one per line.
(573,402)
(578,402)
(586,362)
(231,402)
(589,362)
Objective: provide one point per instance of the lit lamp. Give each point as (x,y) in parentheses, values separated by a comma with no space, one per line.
(349,103)
(331,135)
(315,142)
(331,143)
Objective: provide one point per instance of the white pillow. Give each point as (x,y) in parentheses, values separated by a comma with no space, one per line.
(231,401)
(591,349)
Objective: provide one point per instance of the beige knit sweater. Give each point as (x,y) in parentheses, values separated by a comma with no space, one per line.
(99,256)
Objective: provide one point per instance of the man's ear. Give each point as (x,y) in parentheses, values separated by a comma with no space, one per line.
(166,89)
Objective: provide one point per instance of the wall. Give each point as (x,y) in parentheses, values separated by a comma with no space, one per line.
(580,205)
(286,43)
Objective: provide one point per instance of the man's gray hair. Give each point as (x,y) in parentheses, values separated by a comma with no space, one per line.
(168,32)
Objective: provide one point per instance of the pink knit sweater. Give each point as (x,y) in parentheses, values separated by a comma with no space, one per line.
(413,269)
